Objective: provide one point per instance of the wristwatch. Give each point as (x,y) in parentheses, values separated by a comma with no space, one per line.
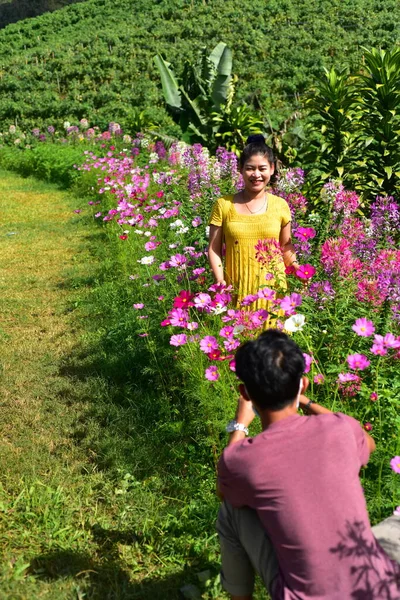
(235,426)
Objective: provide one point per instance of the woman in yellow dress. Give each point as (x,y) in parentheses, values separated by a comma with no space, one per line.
(245,219)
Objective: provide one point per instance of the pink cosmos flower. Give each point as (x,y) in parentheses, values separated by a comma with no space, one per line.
(178,340)
(378,350)
(347,377)
(178,260)
(164,266)
(396,511)
(160,297)
(202,300)
(305,271)
(390,341)
(373,397)
(319,379)
(151,246)
(358,361)
(143,335)
(308,360)
(226,332)
(266,294)
(183,299)
(179,317)
(197,221)
(368,427)
(192,326)
(232,365)
(212,373)
(289,303)
(208,343)
(198,271)
(231,345)
(363,327)
(138,306)
(395,464)
(165,323)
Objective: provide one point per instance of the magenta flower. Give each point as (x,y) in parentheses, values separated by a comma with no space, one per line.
(178,340)
(308,360)
(165,323)
(305,233)
(197,221)
(183,299)
(212,373)
(319,379)
(368,427)
(232,365)
(198,271)
(151,246)
(363,327)
(164,266)
(358,361)
(373,397)
(395,464)
(208,343)
(305,271)
(138,306)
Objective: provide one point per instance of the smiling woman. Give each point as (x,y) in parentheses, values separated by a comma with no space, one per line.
(255,227)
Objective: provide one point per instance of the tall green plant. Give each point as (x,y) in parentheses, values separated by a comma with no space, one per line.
(378,122)
(332,103)
(355,125)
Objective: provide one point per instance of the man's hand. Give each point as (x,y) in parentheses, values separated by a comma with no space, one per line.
(244,411)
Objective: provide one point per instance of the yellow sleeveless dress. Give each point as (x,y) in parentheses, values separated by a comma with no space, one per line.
(241,235)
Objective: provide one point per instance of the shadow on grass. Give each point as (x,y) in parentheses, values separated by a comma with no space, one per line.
(102,577)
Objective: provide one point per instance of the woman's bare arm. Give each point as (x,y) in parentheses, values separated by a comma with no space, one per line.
(215,253)
(288,251)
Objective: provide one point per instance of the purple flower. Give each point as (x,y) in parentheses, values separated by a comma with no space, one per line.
(358,361)
(289,303)
(212,373)
(395,464)
(308,360)
(363,327)
(178,340)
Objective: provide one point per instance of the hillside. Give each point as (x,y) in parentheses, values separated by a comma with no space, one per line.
(94,59)
(12,11)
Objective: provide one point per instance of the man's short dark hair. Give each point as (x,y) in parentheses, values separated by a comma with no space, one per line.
(271,368)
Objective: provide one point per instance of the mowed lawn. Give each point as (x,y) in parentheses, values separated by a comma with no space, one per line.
(75,521)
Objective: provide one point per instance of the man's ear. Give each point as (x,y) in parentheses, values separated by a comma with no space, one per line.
(305,384)
(243,392)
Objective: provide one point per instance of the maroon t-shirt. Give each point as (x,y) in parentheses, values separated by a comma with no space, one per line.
(302,477)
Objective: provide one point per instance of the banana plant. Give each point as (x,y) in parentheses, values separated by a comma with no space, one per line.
(206,89)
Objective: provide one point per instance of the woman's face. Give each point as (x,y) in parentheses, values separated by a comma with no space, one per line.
(257,172)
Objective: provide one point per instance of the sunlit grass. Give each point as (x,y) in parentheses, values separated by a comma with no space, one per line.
(93,500)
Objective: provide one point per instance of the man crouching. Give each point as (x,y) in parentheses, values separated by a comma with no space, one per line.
(293,507)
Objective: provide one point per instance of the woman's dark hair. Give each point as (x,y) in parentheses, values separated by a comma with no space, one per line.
(271,368)
(255,144)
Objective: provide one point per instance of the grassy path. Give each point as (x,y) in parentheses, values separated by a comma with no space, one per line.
(68,529)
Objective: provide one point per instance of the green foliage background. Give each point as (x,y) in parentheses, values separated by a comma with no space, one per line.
(94,59)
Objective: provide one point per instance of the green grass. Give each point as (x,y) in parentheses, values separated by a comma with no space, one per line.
(101,496)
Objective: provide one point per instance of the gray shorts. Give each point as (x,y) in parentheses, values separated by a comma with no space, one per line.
(246,548)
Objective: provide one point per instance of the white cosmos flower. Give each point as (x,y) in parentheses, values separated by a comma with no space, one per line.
(175,224)
(146,260)
(218,309)
(182,230)
(294,323)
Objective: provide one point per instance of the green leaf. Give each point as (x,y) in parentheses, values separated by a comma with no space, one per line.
(388,171)
(169,84)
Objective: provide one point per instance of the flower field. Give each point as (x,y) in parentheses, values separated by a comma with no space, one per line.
(343,308)
(173,333)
